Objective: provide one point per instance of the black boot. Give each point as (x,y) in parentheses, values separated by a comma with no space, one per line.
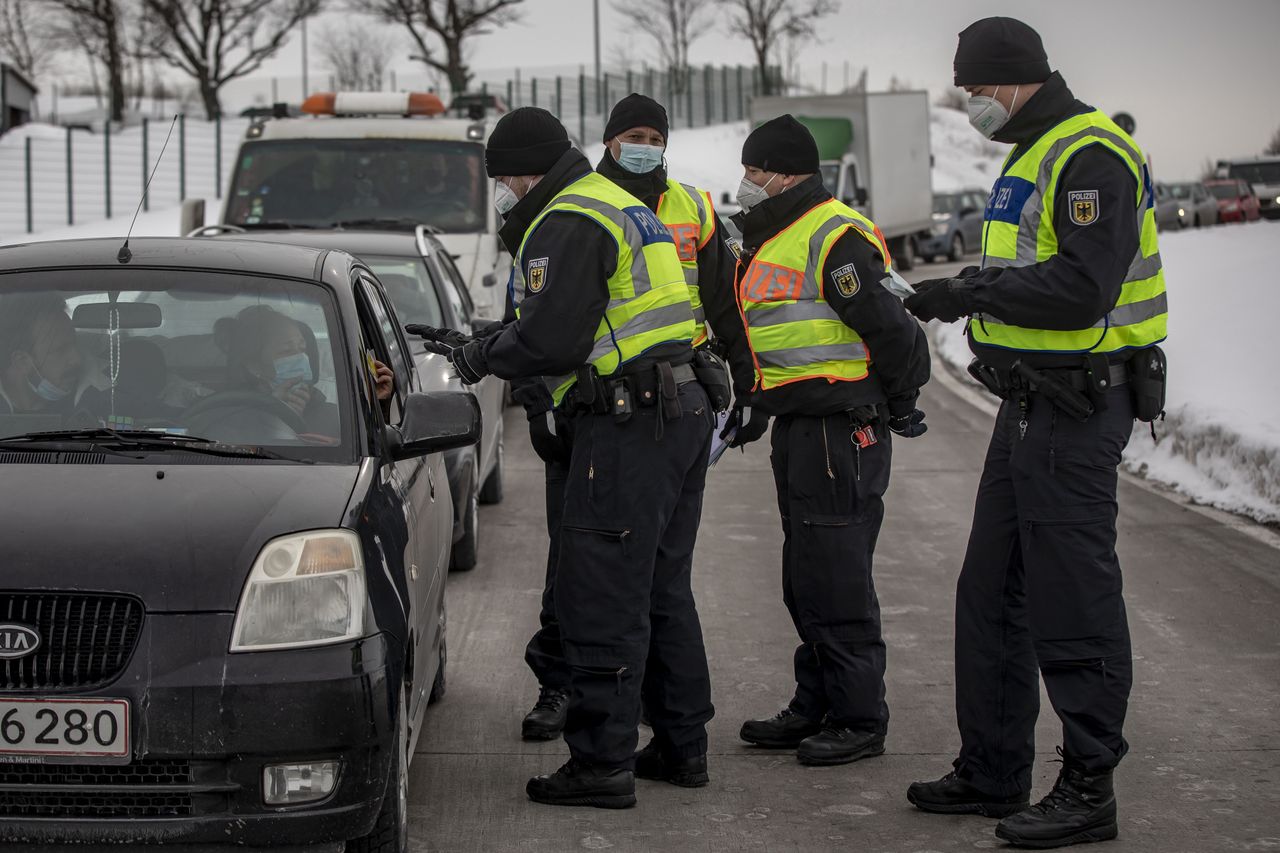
(784,730)
(576,784)
(1080,808)
(838,745)
(953,795)
(546,720)
(685,772)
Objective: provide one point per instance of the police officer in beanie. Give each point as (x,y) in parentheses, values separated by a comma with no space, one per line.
(1065,315)
(839,365)
(635,140)
(603,316)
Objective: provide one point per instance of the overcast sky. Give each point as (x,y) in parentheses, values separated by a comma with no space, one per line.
(1199,76)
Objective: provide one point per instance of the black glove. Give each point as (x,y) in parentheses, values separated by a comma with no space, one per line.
(488,329)
(937,299)
(469,362)
(439,341)
(750,424)
(550,446)
(905,419)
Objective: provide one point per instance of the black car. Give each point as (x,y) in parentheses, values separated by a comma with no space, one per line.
(224,551)
(424,286)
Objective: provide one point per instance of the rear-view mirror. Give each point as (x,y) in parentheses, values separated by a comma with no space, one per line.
(435,421)
(128,315)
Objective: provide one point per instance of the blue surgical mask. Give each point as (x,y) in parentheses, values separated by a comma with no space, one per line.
(640,159)
(291,367)
(46,390)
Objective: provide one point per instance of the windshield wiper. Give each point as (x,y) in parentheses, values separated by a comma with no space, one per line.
(273,225)
(141,440)
(380,222)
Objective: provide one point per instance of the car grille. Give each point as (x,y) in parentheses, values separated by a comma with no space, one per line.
(143,789)
(85,638)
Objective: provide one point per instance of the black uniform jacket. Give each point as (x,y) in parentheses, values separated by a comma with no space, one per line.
(556,329)
(896,345)
(716,261)
(1077,287)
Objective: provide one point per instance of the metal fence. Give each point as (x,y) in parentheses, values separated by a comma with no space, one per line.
(51,177)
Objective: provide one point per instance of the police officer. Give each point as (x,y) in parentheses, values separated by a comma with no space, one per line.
(1071,290)
(839,364)
(635,138)
(603,314)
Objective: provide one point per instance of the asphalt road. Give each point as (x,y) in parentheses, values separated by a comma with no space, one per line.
(1204,725)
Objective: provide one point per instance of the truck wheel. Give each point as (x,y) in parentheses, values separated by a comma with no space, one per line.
(391,830)
(956,250)
(491,491)
(464,555)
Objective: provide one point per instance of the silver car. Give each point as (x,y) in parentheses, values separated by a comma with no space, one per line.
(1196,205)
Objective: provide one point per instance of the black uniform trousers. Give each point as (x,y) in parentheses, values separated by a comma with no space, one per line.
(1041,590)
(623,596)
(830,495)
(545,652)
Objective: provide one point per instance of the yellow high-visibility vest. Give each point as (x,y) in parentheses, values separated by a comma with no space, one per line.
(1018,230)
(689,216)
(648,298)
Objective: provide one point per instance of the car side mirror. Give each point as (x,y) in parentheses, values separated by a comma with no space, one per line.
(435,421)
(489,279)
(861,195)
(725,198)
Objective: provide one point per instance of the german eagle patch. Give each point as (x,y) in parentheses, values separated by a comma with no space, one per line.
(846,280)
(1084,206)
(537,274)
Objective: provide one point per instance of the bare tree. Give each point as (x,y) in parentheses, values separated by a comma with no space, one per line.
(673,25)
(357,54)
(765,23)
(216,41)
(1273,147)
(450,22)
(26,36)
(98,27)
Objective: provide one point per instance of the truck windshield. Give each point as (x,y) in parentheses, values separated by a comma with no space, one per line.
(830,177)
(234,359)
(1256,173)
(322,183)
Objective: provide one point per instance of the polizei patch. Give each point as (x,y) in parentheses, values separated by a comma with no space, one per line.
(1084,206)
(846,280)
(537,274)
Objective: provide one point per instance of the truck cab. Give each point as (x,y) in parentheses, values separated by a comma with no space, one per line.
(371,160)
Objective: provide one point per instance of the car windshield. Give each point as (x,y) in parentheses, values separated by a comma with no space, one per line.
(1179,190)
(409,287)
(320,183)
(1256,173)
(1224,190)
(234,359)
(946,203)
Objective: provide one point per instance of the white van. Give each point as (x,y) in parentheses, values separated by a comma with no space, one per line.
(385,161)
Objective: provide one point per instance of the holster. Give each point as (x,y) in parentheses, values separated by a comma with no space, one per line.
(1072,402)
(989,378)
(1148,381)
(713,374)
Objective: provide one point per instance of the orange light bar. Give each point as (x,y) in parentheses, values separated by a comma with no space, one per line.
(320,104)
(373,103)
(425,104)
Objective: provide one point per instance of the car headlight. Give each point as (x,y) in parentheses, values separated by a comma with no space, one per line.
(940,228)
(305,589)
(1182,212)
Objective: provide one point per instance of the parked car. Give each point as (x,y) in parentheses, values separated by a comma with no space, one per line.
(223,616)
(1169,210)
(1196,205)
(424,286)
(1236,202)
(957,225)
(1263,176)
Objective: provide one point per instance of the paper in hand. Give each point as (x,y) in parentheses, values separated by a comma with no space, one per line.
(897,285)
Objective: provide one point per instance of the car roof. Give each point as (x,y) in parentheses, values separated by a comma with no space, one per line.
(246,256)
(355,241)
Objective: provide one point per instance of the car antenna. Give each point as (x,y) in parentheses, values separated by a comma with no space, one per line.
(125,254)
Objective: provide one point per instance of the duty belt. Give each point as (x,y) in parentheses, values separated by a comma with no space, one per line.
(617,394)
(1078,391)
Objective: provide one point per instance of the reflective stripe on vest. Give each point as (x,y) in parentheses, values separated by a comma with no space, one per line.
(793,332)
(648,298)
(1018,231)
(687,213)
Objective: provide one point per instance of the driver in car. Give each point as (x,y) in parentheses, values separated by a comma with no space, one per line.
(40,363)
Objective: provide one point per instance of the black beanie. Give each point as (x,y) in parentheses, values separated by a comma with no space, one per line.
(781,145)
(995,51)
(525,141)
(636,111)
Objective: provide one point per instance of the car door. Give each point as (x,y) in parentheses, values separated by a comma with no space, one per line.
(491,391)
(415,481)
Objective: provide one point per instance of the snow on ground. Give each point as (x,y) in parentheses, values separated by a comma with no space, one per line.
(962,159)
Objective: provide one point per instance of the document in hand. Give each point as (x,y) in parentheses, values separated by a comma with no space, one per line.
(897,285)
(720,445)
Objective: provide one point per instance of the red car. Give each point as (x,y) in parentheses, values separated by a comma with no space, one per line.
(1236,201)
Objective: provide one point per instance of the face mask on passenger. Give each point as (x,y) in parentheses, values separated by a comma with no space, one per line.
(292,367)
(46,390)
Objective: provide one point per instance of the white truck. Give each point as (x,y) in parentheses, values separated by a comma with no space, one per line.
(873,150)
(383,161)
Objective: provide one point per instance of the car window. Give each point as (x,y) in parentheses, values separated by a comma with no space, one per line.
(389,330)
(450,290)
(454,275)
(408,285)
(384,347)
(945,203)
(236,359)
(323,182)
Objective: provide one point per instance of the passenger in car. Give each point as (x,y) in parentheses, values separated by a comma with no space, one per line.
(40,363)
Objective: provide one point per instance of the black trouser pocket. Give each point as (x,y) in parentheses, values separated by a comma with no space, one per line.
(831,578)
(601,597)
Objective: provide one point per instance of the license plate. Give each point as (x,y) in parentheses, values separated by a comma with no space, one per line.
(56,730)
